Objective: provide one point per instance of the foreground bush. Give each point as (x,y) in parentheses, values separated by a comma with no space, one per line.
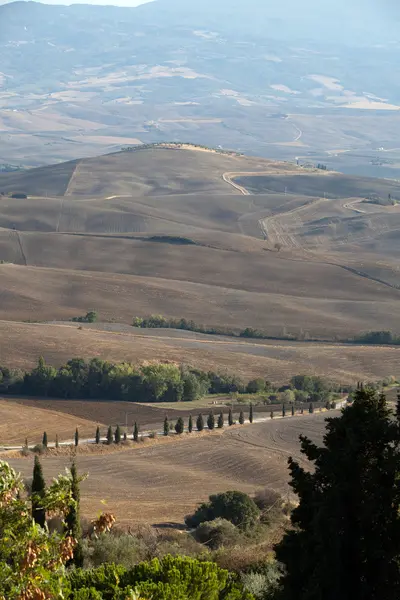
(171,578)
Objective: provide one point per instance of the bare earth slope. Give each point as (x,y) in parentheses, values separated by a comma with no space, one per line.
(222,239)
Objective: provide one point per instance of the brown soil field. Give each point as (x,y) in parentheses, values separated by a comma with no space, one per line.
(162,483)
(19,421)
(23,343)
(86,415)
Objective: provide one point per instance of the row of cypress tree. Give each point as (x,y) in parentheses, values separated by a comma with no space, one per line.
(117,436)
(211,421)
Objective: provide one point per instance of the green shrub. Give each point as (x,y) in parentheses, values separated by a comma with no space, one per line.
(125,550)
(236,507)
(217,533)
(172,578)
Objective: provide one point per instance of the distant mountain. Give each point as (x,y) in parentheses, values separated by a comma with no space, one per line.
(307,79)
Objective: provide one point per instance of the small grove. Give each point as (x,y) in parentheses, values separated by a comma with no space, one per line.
(153,382)
(341,540)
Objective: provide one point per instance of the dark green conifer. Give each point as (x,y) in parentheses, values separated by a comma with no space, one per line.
(38,491)
(292,410)
(180,426)
(98,435)
(117,435)
(166,426)
(109,436)
(44,440)
(220,420)
(211,421)
(72,519)
(283,411)
(76,437)
(311,408)
(136,433)
(272,414)
(251,413)
(349,500)
(57,443)
(190,425)
(241,417)
(200,423)
(230,418)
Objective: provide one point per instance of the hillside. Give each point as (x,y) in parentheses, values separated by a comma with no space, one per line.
(224,240)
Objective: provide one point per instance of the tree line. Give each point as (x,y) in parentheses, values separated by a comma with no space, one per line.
(152,382)
(161,322)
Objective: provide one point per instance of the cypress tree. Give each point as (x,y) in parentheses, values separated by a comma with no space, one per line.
(292,410)
(251,413)
(190,425)
(38,490)
(57,444)
(125,436)
(346,529)
(180,426)
(200,423)
(117,435)
(26,443)
(109,436)
(311,408)
(241,417)
(76,437)
(230,418)
(302,410)
(44,440)
(166,426)
(98,435)
(272,414)
(72,519)
(136,433)
(211,421)
(220,420)
(283,411)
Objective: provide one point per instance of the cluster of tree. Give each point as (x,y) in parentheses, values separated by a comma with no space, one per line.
(322,167)
(99,379)
(378,338)
(315,388)
(90,317)
(159,321)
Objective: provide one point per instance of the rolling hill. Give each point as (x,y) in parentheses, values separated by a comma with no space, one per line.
(222,239)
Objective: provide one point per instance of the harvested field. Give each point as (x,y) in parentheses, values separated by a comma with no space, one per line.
(162,483)
(23,343)
(19,421)
(97,412)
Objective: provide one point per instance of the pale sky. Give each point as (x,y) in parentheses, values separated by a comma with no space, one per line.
(98,2)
